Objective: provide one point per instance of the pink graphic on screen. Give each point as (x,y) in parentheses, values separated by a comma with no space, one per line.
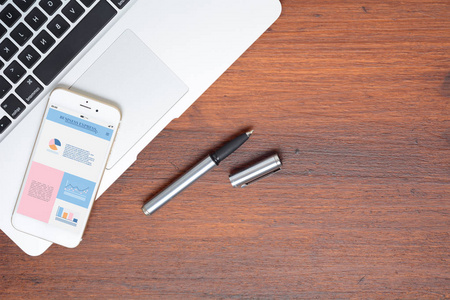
(40,192)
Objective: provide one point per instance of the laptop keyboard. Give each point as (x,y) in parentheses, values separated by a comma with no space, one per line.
(38,39)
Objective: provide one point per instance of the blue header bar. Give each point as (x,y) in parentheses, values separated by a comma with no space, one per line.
(79,124)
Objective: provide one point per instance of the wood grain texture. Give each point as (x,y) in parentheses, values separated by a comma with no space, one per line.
(354,96)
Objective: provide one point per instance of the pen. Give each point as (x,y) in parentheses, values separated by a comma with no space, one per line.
(195,173)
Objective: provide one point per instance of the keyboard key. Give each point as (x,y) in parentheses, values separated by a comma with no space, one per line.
(7,49)
(1,65)
(29,89)
(2,30)
(4,123)
(87,3)
(21,34)
(43,41)
(58,26)
(50,6)
(120,3)
(14,71)
(5,87)
(9,15)
(24,5)
(2,1)
(13,106)
(29,56)
(35,18)
(75,41)
(73,11)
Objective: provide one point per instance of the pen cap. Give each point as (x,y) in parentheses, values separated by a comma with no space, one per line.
(256,172)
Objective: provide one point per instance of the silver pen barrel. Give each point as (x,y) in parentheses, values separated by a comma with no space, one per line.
(179,185)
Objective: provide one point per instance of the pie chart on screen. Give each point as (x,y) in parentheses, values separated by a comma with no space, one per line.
(54,144)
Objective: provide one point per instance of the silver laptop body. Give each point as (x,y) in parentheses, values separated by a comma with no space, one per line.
(152,59)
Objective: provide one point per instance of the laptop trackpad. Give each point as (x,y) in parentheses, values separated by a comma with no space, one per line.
(133,78)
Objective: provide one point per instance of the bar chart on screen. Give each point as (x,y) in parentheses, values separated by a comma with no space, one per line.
(65,216)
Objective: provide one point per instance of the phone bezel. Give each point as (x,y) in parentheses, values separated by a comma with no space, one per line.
(91,109)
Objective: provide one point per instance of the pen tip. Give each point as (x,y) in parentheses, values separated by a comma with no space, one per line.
(249,133)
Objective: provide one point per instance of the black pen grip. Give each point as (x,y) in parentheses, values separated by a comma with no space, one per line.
(229,148)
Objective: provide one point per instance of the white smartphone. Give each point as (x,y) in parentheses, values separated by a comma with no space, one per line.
(65,168)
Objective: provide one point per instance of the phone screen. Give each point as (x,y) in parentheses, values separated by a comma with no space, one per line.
(68,160)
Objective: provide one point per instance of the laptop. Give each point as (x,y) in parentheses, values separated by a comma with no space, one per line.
(150,58)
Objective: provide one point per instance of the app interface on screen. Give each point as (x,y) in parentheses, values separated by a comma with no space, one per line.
(67,162)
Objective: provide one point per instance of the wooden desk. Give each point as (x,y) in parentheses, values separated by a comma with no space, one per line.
(355,98)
